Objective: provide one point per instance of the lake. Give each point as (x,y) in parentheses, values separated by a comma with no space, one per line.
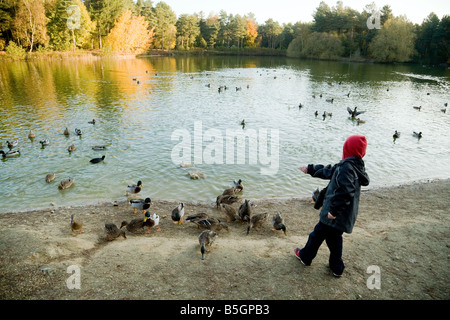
(153,113)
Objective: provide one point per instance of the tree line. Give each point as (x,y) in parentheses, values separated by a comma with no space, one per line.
(137,26)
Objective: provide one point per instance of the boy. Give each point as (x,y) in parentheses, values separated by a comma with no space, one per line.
(340,204)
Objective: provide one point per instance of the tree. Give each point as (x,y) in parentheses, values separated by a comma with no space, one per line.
(209,29)
(270,32)
(105,13)
(67,26)
(6,19)
(29,23)
(394,42)
(130,35)
(318,45)
(188,29)
(251,34)
(165,19)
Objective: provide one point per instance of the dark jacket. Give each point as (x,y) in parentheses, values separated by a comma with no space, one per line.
(343,191)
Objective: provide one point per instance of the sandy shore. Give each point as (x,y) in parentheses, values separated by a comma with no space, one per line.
(404,231)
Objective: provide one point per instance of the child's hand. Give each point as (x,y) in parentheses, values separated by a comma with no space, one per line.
(330,216)
(304,169)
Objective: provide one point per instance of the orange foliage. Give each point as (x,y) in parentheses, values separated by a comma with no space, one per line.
(252,34)
(130,35)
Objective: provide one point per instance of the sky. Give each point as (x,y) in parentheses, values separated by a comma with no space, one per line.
(285,11)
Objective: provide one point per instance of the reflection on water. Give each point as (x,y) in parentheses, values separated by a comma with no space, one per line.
(146,108)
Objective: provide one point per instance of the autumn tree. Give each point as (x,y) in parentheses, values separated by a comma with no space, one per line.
(394,41)
(251,33)
(29,24)
(130,35)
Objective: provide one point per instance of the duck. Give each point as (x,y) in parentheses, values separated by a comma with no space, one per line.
(243,123)
(71,148)
(75,225)
(66,183)
(257,221)
(210,223)
(178,213)
(78,132)
(97,160)
(155,219)
(229,192)
(353,112)
(444,110)
(31,135)
(359,121)
(134,188)
(417,108)
(206,239)
(10,154)
(230,212)
(141,204)
(315,195)
(99,148)
(238,186)
(50,177)
(330,100)
(92,122)
(112,232)
(396,135)
(278,222)
(316,113)
(12,144)
(244,211)
(417,135)
(66,132)
(197,216)
(44,142)
(139,224)
(228,199)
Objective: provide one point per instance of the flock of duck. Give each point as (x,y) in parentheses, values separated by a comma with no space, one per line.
(211,225)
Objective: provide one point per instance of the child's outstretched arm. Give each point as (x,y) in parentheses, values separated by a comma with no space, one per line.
(319,170)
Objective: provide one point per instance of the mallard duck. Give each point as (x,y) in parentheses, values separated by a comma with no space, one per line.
(257,221)
(353,113)
(78,132)
(359,121)
(71,148)
(417,135)
(66,132)
(444,110)
(99,148)
(206,239)
(12,144)
(50,177)
(44,142)
(141,204)
(66,183)
(230,212)
(244,211)
(112,232)
(92,122)
(229,192)
(396,135)
(243,123)
(197,216)
(316,113)
(75,225)
(155,219)
(134,188)
(417,108)
(228,199)
(97,160)
(278,222)
(238,186)
(31,135)
(178,213)
(210,223)
(330,100)
(10,154)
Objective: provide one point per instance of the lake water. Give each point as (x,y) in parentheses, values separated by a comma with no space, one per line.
(152,113)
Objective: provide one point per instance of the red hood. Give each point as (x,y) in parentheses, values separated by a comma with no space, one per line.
(355,146)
